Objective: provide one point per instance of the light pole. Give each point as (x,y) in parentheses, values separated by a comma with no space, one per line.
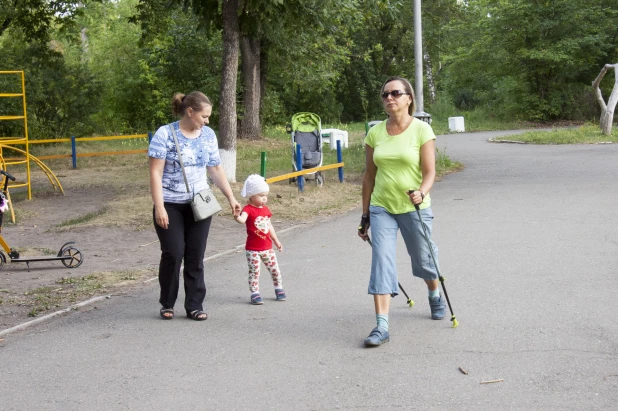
(418,65)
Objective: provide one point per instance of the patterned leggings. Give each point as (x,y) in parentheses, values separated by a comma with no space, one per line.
(270,261)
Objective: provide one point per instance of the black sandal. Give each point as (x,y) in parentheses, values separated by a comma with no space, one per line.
(197,315)
(167,313)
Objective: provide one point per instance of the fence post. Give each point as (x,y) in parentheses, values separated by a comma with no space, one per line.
(263,164)
(73,152)
(149,137)
(339,160)
(299,166)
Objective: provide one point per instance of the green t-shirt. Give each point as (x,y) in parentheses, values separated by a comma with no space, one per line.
(398,159)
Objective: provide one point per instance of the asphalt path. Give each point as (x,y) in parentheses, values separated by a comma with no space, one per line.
(528,247)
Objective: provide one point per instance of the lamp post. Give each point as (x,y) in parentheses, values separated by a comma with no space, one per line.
(418,65)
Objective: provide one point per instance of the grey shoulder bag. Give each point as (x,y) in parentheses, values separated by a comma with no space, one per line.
(204,204)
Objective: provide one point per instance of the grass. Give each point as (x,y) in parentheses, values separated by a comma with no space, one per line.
(586,134)
(479,119)
(69,290)
(84,219)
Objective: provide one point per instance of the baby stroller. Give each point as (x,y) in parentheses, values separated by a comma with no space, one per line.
(306,130)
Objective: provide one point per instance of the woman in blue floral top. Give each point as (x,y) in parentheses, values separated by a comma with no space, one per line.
(180,236)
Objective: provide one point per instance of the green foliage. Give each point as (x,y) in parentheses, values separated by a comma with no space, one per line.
(111,66)
(142,80)
(36,18)
(527,56)
(61,96)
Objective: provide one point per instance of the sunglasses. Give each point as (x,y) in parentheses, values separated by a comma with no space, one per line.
(393,94)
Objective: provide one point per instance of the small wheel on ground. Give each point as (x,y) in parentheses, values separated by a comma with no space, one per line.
(2,260)
(319,180)
(76,257)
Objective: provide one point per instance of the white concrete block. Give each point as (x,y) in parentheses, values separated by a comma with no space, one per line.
(331,135)
(456,124)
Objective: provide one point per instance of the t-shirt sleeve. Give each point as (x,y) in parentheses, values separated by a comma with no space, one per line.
(158,144)
(426,133)
(212,145)
(370,138)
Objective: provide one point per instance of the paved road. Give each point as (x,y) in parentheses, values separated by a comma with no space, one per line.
(528,246)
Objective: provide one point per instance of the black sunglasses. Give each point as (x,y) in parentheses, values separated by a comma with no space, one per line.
(394,94)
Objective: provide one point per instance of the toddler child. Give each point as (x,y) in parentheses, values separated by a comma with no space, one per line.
(260,237)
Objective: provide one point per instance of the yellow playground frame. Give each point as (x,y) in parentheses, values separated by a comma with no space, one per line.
(24,156)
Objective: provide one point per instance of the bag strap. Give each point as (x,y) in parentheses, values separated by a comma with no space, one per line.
(182,165)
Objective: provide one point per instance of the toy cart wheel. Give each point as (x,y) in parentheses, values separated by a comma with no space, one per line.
(76,257)
(319,180)
(2,260)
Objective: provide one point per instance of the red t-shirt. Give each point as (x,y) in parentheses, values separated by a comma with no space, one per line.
(258,228)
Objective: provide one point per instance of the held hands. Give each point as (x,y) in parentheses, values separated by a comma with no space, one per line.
(363,227)
(236,208)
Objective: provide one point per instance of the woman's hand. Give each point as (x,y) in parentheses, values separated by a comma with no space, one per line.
(161,217)
(236,208)
(416,196)
(363,227)
(220,179)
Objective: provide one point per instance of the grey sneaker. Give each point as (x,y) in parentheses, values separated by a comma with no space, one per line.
(438,308)
(377,337)
(280,294)
(256,299)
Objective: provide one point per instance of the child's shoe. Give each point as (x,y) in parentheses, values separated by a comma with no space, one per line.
(280,294)
(438,308)
(256,299)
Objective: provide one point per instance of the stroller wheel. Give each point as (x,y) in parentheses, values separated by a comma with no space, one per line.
(319,180)
(2,259)
(293,179)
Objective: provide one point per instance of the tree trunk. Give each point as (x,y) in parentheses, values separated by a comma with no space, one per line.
(85,58)
(227,96)
(263,73)
(250,126)
(607,110)
(8,19)
(431,84)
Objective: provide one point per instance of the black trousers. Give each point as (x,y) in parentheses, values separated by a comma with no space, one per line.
(183,239)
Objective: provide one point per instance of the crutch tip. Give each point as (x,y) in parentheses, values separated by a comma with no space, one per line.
(410,303)
(455,322)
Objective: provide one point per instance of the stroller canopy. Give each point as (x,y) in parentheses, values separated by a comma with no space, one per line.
(306,122)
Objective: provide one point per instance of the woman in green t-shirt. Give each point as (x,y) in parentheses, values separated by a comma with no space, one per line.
(400,171)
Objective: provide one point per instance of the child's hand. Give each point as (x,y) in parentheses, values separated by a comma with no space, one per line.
(278,245)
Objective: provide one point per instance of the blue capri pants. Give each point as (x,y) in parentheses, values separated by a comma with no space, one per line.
(384,227)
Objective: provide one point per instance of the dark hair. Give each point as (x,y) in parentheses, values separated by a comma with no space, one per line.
(196,100)
(408,88)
